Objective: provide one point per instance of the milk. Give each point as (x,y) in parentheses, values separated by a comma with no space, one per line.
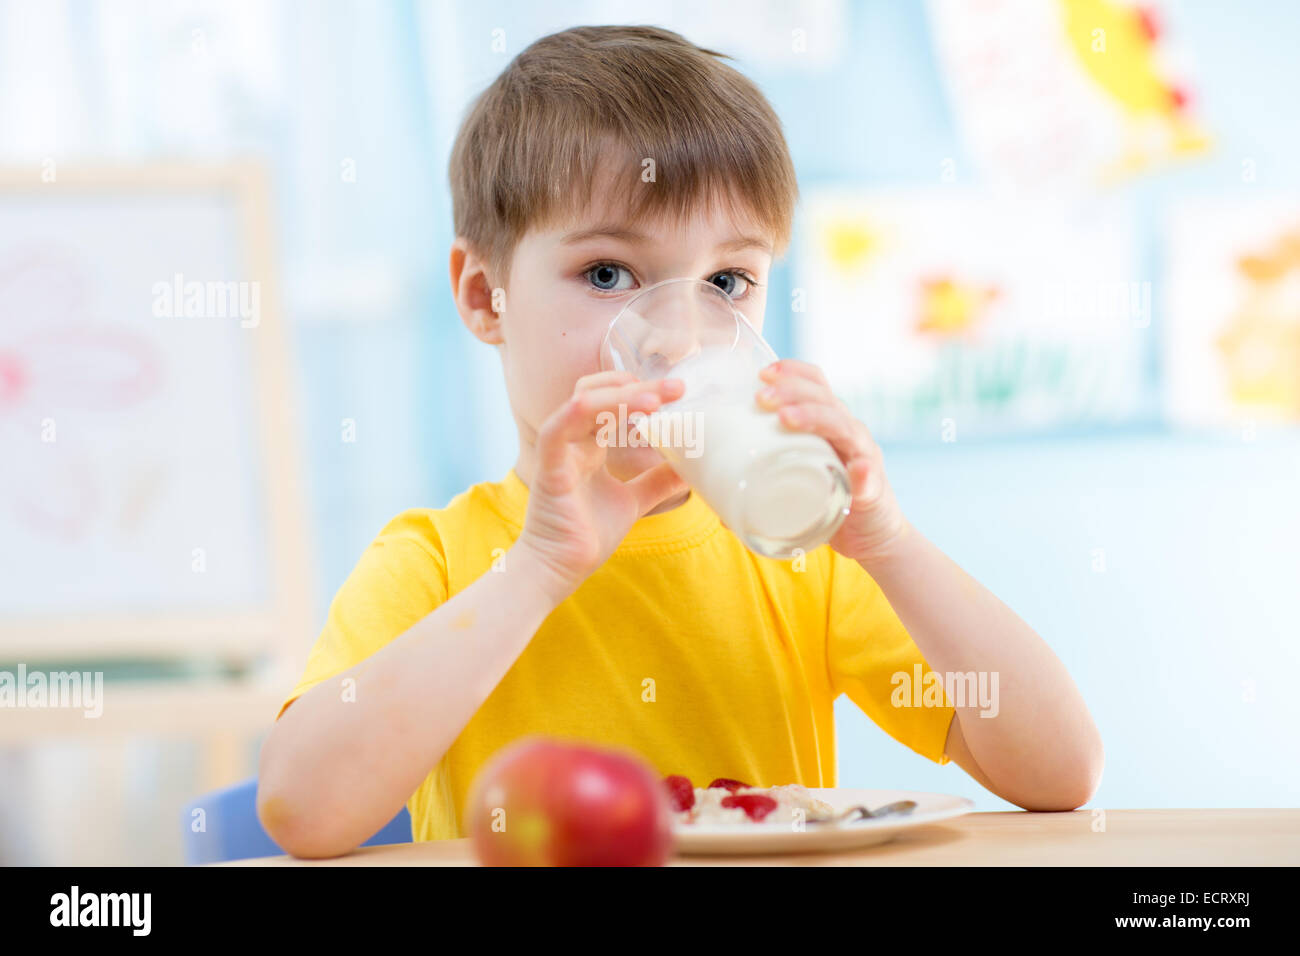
(778,490)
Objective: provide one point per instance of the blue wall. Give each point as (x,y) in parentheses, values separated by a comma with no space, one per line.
(1184,643)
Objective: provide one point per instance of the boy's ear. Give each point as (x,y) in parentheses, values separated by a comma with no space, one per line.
(473,293)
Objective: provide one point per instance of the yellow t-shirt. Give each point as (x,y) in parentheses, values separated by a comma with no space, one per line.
(684,646)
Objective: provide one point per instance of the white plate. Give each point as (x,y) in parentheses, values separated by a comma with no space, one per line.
(781,837)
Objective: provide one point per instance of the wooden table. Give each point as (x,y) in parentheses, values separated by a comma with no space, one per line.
(1018,838)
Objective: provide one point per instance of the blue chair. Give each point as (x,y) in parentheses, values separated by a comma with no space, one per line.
(233,832)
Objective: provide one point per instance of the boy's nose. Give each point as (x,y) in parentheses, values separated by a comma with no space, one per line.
(669,323)
(679,321)
(664,348)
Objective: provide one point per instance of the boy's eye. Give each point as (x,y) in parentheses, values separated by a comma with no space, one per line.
(611,277)
(605,277)
(736,287)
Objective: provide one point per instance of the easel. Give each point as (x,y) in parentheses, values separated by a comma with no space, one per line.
(264,644)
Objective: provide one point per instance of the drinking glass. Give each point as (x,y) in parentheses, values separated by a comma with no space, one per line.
(780,491)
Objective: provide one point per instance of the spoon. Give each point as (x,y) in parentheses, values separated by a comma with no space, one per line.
(900,806)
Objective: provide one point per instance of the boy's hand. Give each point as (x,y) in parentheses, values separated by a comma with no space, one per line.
(577,511)
(803,400)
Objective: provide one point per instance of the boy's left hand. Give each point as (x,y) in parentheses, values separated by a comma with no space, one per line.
(801,396)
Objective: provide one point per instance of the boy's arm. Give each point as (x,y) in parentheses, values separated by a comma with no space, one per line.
(1041,749)
(955,749)
(334,769)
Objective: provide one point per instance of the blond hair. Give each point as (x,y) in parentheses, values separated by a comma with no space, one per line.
(530,148)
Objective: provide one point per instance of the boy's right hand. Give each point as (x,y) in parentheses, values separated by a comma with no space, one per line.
(577,511)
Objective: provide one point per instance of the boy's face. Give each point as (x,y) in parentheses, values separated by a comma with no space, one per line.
(567,282)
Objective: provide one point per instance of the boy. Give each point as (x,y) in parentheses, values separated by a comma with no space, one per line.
(590,593)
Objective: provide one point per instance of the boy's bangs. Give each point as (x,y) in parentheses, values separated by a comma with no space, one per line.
(665,182)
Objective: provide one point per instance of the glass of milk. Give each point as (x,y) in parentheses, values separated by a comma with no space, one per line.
(780,491)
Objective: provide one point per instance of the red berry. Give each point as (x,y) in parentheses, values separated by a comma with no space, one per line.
(681,793)
(755,805)
(731,786)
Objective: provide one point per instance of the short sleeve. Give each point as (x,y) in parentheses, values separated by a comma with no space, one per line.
(399,579)
(872,658)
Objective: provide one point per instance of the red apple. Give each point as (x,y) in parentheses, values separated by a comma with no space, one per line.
(550,802)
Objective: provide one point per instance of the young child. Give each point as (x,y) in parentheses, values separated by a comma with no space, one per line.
(591,593)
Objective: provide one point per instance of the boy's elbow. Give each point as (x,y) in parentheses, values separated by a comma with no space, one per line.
(281,818)
(1066,798)
(293,828)
(1069,792)
(1090,774)
(286,813)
